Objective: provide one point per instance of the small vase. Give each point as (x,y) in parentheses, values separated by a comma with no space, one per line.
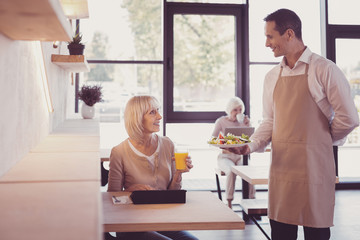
(87,112)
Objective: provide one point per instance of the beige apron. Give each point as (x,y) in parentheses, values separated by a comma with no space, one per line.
(302,173)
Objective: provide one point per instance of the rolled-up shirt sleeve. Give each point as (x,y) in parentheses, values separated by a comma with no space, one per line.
(338,92)
(262,136)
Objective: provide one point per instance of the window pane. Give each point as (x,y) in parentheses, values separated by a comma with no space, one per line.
(307,10)
(348,164)
(121,82)
(204,62)
(344,12)
(348,59)
(123,30)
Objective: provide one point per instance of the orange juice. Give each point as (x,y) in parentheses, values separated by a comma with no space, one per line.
(180,160)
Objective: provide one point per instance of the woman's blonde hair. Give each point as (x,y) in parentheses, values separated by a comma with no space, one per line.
(134,113)
(233,103)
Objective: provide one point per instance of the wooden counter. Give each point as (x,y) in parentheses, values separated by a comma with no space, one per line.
(49,167)
(54,191)
(50,210)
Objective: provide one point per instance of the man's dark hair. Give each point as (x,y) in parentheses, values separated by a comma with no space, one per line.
(285,19)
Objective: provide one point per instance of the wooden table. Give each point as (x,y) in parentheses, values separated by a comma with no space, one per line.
(252,174)
(202,211)
(255,174)
(254,207)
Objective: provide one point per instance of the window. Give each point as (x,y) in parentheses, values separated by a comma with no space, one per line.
(342,47)
(206,58)
(347,58)
(124,49)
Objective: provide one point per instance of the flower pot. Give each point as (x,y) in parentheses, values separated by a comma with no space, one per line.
(76,49)
(87,112)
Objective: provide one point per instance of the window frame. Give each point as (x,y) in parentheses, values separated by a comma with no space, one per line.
(240,12)
(333,32)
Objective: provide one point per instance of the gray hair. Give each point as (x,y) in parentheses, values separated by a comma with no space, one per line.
(234,103)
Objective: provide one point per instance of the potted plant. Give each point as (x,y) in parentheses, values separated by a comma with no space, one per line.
(75,46)
(89,94)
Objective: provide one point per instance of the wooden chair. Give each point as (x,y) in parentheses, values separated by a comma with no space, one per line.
(108,236)
(104,159)
(104,172)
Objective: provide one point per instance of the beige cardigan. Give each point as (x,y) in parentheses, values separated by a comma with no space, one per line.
(128,168)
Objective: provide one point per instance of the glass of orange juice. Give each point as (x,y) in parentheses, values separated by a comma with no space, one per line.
(180,158)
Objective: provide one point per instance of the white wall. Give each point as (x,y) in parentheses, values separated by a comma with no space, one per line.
(24,117)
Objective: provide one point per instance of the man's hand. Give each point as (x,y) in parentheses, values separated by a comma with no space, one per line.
(244,150)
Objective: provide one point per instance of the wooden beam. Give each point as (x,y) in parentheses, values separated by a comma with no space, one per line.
(42,20)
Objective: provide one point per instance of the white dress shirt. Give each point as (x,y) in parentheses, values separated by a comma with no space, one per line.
(329,89)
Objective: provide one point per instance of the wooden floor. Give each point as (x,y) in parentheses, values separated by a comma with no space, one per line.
(346,221)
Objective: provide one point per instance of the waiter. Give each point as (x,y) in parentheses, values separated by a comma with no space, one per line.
(307,106)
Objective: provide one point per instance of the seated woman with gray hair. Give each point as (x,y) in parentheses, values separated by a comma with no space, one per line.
(144,161)
(235,117)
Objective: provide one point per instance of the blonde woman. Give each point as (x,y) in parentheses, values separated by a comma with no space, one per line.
(234,108)
(144,161)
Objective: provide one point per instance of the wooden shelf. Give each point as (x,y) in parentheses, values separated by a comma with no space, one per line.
(75,9)
(72,63)
(42,20)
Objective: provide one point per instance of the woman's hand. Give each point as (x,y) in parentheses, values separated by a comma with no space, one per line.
(137,187)
(188,163)
(178,173)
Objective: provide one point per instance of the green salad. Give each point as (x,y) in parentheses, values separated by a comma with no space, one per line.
(229,139)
